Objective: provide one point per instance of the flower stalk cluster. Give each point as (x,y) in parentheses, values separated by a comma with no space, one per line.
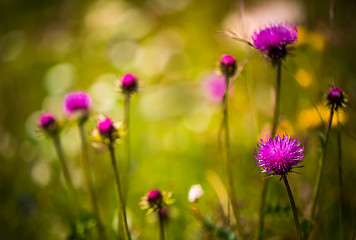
(274,41)
(109,133)
(277,155)
(228,66)
(335,100)
(157,201)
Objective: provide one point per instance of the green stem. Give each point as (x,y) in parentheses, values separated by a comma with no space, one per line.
(341,192)
(262,210)
(127,156)
(161,226)
(292,203)
(125,173)
(273,133)
(277,100)
(118,191)
(66,174)
(227,161)
(321,166)
(88,180)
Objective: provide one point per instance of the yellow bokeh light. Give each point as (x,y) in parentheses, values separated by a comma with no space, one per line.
(310,118)
(314,39)
(303,77)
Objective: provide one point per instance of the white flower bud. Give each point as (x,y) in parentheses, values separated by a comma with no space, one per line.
(195,193)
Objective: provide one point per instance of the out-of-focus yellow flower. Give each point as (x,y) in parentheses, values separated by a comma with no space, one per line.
(317,41)
(303,77)
(309,118)
(314,39)
(302,35)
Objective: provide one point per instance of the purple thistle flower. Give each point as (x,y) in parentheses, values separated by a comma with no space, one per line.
(278,155)
(106,127)
(47,122)
(129,83)
(77,102)
(273,40)
(228,65)
(336,98)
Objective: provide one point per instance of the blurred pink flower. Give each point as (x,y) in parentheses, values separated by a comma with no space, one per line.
(215,87)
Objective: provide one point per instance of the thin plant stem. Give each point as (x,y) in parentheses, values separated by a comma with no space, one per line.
(341,192)
(292,203)
(321,166)
(242,15)
(66,174)
(126,156)
(88,180)
(227,161)
(331,13)
(161,226)
(277,100)
(127,153)
(273,133)
(118,192)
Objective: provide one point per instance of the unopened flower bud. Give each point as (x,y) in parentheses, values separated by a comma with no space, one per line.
(154,197)
(129,83)
(48,123)
(105,127)
(195,193)
(228,65)
(336,98)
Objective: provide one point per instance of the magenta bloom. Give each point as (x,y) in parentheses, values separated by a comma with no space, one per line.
(228,65)
(273,40)
(106,127)
(278,155)
(216,87)
(76,102)
(47,122)
(154,197)
(129,83)
(336,98)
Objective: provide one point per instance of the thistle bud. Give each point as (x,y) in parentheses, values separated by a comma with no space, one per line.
(228,65)
(195,193)
(129,83)
(106,127)
(336,98)
(48,123)
(154,197)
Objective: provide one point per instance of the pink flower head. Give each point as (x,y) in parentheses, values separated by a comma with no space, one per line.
(106,127)
(336,98)
(77,102)
(47,122)
(215,86)
(154,197)
(228,65)
(273,40)
(278,155)
(156,200)
(129,83)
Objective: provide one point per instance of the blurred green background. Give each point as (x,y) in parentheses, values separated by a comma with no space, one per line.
(48,48)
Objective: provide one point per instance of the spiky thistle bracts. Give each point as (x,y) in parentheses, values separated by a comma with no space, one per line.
(106,131)
(336,98)
(48,123)
(156,200)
